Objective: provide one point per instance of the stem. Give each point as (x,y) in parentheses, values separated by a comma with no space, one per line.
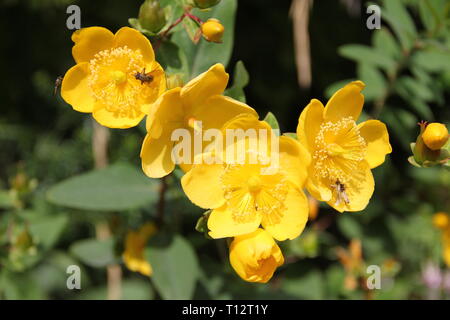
(166,32)
(161,202)
(100,139)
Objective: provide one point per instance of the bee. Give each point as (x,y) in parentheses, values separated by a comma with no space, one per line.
(58,82)
(341,195)
(148,77)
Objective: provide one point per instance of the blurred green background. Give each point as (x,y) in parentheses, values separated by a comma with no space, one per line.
(405,65)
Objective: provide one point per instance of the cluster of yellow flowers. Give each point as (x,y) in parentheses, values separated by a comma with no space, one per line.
(117,79)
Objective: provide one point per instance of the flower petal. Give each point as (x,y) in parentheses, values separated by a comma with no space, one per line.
(202,185)
(359,190)
(156,156)
(210,83)
(222,225)
(309,123)
(294,160)
(318,188)
(346,102)
(376,136)
(294,217)
(218,109)
(75,90)
(113,120)
(90,41)
(134,40)
(167,110)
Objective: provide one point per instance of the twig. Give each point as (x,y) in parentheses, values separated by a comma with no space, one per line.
(161,201)
(100,139)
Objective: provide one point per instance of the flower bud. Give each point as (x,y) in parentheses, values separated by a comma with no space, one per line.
(204,4)
(435,136)
(213,30)
(255,256)
(151,16)
(422,154)
(441,220)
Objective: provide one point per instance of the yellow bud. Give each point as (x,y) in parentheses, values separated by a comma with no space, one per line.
(255,256)
(204,4)
(151,16)
(441,220)
(435,136)
(213,30)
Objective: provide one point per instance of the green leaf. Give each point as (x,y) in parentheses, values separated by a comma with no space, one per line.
(432,60)
(349,227)
(374,80)
(6,201)
(205,54)
(175,269)
(240,81)
(47,230)
(272,121)
(308,286)
(93,252)
(396,14)
(369,55)
(118,187)
(172,59)
(383,40)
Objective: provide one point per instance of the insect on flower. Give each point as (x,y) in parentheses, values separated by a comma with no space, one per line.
(58,82)
(341,196)
(147,77)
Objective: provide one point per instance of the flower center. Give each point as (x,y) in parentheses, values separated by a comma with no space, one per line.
(254,184)
(247,193)
(112,81)
(339,150)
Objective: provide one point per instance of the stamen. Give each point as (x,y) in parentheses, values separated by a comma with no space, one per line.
(339,150)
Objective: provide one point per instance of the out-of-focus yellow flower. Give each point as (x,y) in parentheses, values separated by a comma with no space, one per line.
(435,136)
(441,220)
(255,256)
(243,196)
(213,30)
(134,249)
(105,81)
(342,151)
(352,261)
(200,99)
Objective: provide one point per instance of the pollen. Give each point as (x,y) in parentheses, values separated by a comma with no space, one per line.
(112,80)
(339,149)
(248,193)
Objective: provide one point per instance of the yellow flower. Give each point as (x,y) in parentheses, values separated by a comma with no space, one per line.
(441,220)
(104,80)
(134,249)
(342,151)
(200,99)
(213,30)
(255,256)
(435,135)
(243,196)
